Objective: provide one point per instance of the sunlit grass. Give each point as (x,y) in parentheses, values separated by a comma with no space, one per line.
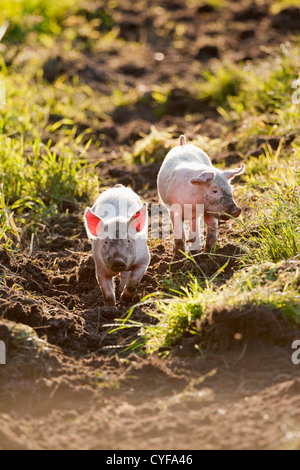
(267,102)
(214,3)
(278,5)
(272,192)
(152,147)
(42,16)
(216,86)
(275,233)
(40,176)
(272,285)
(37,182)
(30,103)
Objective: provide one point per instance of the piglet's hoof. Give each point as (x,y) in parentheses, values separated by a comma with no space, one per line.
(109,302)
(210,248)
(179,250)
(127,296)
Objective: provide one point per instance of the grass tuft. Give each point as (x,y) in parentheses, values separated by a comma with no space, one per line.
(272,285)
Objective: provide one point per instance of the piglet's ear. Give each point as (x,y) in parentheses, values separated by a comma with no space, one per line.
(92,222)
(236,171)
(137,221)
(203,177)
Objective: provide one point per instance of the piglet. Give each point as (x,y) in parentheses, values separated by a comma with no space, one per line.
(188,179)
(117,224)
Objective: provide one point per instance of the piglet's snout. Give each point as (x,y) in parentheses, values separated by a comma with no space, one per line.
(118,265)
(235,211)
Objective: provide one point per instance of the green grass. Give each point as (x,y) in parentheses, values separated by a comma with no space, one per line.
(41,16)
(214,3)
(45,129)
(272,192)
(218,85)
(35,185)
(150,148)
(278,5)
(272,285)
(39,175)
(276,234)
(264,102)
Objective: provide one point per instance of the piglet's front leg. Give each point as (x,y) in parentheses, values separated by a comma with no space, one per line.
(107,287)
(123,281)
(212,231)
(132,282)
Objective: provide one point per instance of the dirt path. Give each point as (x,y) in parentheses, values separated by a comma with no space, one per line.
(68,383)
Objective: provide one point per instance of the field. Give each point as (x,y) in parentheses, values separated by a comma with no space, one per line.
(95,93)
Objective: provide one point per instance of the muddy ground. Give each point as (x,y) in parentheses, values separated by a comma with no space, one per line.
(68,383)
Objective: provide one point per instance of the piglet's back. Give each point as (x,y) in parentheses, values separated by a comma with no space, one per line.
(186,153)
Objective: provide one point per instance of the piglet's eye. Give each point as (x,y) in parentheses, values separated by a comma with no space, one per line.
(215,191)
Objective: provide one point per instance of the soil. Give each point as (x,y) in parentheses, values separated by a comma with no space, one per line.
(69,381)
